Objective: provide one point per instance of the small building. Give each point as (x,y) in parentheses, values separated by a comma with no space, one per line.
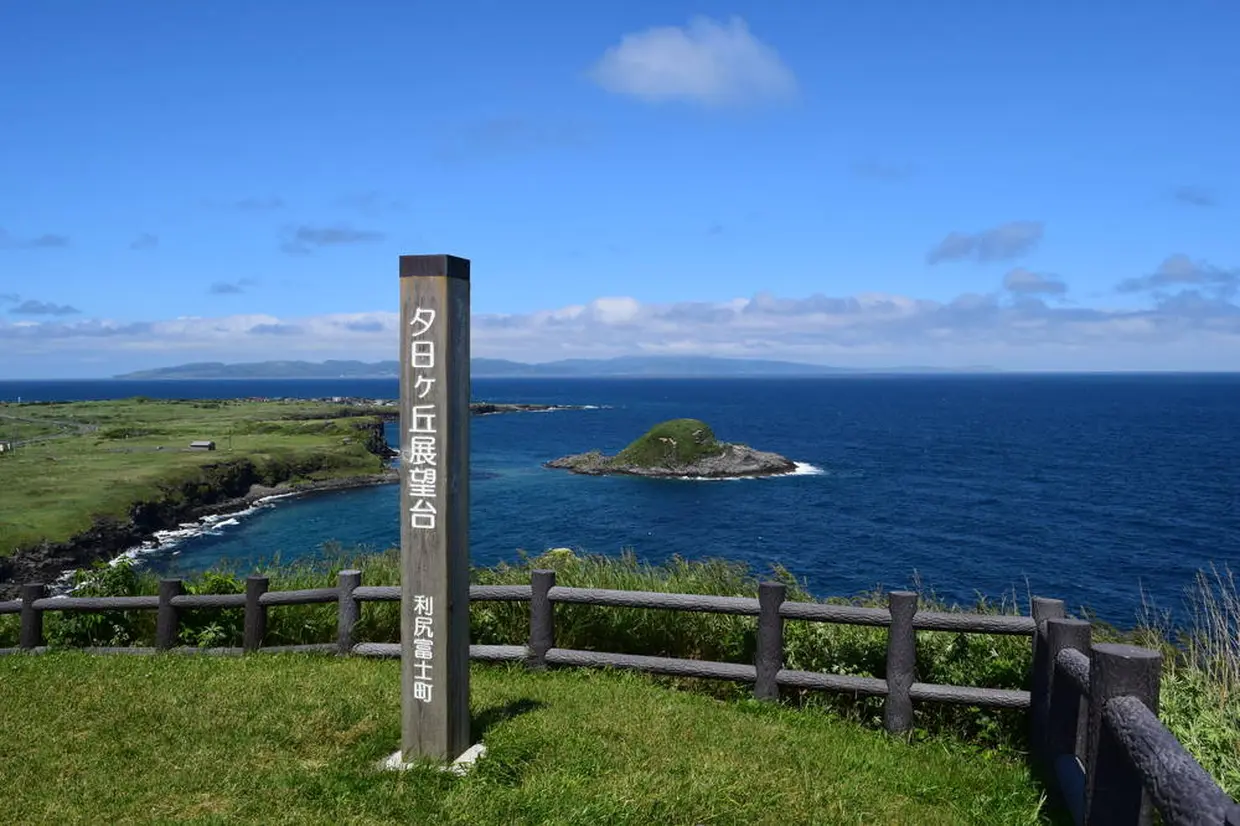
(5,447)
(203,444)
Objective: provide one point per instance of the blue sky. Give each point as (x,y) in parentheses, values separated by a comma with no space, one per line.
(1034,186)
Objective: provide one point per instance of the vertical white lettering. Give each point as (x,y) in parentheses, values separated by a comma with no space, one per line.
(422,320)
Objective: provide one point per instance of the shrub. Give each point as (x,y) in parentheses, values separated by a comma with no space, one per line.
(101,628)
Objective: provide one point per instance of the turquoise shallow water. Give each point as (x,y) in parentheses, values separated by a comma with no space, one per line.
(1088,488)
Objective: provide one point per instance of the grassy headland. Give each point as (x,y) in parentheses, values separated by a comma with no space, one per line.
(86,480)
(111,465)
(293,739)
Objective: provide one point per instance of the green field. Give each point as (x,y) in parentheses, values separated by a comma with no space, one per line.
(293,739)
(103,457)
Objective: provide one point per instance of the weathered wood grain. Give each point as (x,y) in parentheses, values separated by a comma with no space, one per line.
(434,403)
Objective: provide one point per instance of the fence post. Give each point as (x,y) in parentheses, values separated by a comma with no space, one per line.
(1114,793)
(166,617)
(255,613)
(31,634)
(348,610)
(770,653)
(1039,679)
(901,661)
(1066,716)
(542,619)
(1065,729)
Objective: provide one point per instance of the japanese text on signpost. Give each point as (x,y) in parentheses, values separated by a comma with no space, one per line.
(421,477)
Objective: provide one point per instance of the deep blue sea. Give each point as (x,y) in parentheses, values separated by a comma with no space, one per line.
(1089,488)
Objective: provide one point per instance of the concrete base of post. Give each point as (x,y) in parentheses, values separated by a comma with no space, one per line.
(460,766)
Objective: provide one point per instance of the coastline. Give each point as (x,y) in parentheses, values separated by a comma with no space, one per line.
(111,540)
(149,523)
(206,517)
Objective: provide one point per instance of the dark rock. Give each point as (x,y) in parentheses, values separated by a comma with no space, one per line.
(734,462)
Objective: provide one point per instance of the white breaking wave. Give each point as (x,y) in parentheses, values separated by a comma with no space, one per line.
(561,409)
(168,540)
(801,469)
(208,525)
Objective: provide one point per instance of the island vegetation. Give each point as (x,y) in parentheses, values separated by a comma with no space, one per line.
(679,448)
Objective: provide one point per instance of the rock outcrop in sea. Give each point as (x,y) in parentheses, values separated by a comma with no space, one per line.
(679,448)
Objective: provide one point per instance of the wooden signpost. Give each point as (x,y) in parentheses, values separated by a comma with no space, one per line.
(434,506)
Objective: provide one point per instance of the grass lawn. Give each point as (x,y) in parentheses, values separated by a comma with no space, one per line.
(292,739)
(107,455)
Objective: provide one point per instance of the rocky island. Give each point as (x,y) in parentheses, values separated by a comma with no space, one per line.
(679,448)
(491,408)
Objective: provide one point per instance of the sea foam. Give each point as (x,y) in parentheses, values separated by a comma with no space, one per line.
(801,469)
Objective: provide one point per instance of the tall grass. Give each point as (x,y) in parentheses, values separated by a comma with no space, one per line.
(1200,690)
(1200,699)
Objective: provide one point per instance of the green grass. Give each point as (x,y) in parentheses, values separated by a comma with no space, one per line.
(19,429)
(960,659)
(118,453)
(287,739)
(1200,689)
(674,442)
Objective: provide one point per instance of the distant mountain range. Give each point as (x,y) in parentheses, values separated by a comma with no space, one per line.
(636,366)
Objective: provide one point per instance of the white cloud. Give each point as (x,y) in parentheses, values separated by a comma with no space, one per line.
(708,62)
(1187,330)
(614,310)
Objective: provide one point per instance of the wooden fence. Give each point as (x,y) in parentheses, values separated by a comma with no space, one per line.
(1093,707)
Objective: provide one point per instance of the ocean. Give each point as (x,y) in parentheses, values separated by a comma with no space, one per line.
(1102,490)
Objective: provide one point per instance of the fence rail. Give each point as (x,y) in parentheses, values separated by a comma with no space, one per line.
(1097,735)
(1093,708)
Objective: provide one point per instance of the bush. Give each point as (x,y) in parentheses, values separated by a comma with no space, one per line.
(101,628)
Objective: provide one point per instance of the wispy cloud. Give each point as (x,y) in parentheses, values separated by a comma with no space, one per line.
(275,329)
(145,241)
(1181,271)
(1184,329)
(304,239)
(1194,196)
(9,298)
(1021,281)
(48,240)
(707,62)
(364,326)
(32,307)
(1006,241)
(231,287)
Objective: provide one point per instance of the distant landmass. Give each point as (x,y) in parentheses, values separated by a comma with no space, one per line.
(636,366)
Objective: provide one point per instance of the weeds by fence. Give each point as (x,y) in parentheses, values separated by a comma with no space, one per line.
(1093,717)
